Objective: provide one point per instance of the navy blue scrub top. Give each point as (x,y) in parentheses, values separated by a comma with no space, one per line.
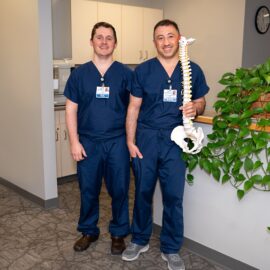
(100,118)
(150,80)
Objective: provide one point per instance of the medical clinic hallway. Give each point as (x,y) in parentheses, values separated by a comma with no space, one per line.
(38,239)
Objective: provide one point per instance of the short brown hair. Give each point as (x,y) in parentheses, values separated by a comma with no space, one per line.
(166,22)
(106,25)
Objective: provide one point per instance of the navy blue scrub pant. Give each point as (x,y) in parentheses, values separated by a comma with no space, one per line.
(108,159)
(161,159)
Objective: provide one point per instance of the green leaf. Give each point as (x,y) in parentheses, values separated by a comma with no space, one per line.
(216,162)
(256,178)
(257,165)
(219,104)
(268,167)
(221,124)
(223,94)
(226,167)
(227,78)
(237,165)
(246,114)
(245,150)
(216,173)
(190,178)
(266,180)
(253,97)
(253,82)
(266,65)
(267,78)
(263,122)
(240,194)
(225,178)
(261,144)
(230,138)
(248,185)
(229,155)
(238,106)
(239,178)
(244,132)
(248,164)
(267,107)
(234,90)
(268,228)
(192,164)
(258,110)
(207,166)
(263,135)
(206,152)
(212,136)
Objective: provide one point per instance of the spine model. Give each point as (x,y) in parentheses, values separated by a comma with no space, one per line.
(187,136)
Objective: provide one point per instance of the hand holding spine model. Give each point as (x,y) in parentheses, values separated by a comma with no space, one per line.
(181,134)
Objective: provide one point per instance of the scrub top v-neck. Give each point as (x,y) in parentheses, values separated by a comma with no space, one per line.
(100,116)
(151,82)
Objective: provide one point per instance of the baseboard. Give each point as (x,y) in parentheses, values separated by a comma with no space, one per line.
(211,254)
(51,203)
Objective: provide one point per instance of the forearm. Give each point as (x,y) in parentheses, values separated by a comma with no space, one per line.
(132,117)
(71,122)
(199,105)
(131,123)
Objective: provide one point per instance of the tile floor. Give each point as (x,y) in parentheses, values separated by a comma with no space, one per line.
(38,239)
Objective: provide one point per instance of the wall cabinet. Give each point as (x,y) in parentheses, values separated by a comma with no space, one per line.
(134,28)
(65,163)
(83,17)
(112,13)
(137,33)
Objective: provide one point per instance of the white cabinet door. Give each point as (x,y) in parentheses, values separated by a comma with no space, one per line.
(57,143)
(137,33)
(132,34)
(112,13)
(65,163)
(83,17)
(68,165)
(150,17)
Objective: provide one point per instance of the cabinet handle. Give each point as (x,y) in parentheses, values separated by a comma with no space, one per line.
(146,55)
(56,135)
(141,55)
(65,135)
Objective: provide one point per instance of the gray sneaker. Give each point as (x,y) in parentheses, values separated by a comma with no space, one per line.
(174,261)
(133,251)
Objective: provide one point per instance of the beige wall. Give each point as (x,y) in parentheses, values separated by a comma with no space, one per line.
(27,155)
(218,27)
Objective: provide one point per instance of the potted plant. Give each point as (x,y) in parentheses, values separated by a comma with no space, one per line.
(240,134)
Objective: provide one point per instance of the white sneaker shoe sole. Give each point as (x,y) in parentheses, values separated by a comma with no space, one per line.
(165,259)
(144,249)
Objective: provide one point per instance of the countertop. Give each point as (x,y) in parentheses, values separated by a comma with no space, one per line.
(59,102)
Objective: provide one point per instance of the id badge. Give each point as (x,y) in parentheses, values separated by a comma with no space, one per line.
(103,92)
(169,95)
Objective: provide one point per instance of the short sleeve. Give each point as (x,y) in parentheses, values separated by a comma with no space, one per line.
(129,78)
(200,87)
(136,89)
(71,89)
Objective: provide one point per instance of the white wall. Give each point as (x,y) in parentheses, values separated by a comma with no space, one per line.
(27,155)
(218,29)
(215,218)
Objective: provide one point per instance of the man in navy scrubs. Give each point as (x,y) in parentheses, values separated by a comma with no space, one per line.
(152,116)
(97,99)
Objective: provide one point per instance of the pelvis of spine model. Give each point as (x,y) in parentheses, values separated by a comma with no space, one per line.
(187,136)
